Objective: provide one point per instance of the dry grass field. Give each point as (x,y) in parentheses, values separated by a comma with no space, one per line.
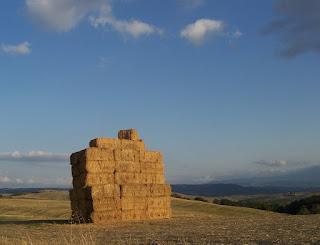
(42,218)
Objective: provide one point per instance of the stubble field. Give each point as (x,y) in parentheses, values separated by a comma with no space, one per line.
(42,218)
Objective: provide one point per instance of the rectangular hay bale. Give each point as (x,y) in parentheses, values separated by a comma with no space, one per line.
(132,145)
(133,215)
(124,155)
(133,203)
(122,178)
(152,156)
(105,217)
(135,190)
(87,180)
(106,204)
(100,166)
(106,190)
(94,153)
(128,166)
(107,143)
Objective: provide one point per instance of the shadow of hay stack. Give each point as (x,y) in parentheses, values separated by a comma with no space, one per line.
(118,179)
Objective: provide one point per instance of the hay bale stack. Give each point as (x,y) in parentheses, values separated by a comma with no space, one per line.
(118,179)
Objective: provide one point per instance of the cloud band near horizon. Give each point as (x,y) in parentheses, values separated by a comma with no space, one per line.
(34,156)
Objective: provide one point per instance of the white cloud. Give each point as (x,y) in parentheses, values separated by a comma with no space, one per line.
(19,181)
(4,179)
(33,156)
(63,15)
(134,28)
(19,49)
(201,29)
(204,179)
(272,163)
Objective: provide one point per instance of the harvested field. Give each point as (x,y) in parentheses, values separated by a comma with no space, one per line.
(39,221)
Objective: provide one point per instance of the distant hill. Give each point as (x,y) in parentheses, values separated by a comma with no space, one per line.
(20,191)
(234,189)
(305,178)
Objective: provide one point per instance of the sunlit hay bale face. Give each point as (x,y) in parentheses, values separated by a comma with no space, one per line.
(118,179)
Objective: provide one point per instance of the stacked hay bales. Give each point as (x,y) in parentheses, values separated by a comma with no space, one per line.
(118,179)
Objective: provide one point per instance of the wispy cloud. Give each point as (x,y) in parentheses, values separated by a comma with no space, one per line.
(34,182)
(272,163)
(17,49)
(204,179)
(201,29)
(64,15)
(4,179)
(34,156)
(135,28)
(297,25)
(236,34)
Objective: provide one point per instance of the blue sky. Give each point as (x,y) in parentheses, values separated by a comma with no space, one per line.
(220,87)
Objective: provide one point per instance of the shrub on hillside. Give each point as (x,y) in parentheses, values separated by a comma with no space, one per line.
(177,195)
(309,205)
(201,199)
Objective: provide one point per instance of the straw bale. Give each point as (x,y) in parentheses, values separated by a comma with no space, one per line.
(148,167)
(151,167)
(85,180)
(134,203)
(133,215)
(159,167)
(127,178)
(100,166)
(108,143)
(73,194)
(80,216)
(160,190)
(159,179)
(103,191)
(135,190)
(129,134)
(145,190)
(74,205)
(158,202)
(107,204)
(147,178)
(124,155)
(76,157)
(152,178)
(99,179)
(75,171)
(104,217)
(94,153)
(128,166)
(133,145)
(152,156)
(83,193)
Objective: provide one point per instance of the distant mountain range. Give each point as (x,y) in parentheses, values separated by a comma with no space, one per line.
(19,191)
(234,189)
(304,178)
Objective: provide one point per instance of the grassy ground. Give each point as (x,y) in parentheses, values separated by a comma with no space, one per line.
(43,219)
